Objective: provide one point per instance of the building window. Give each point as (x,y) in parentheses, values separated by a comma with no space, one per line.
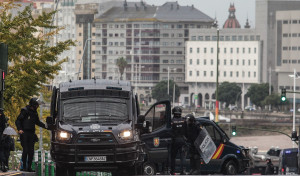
(191,73)
(198,61)
(227,38)
(224,73)
(237,62)
(207,38)
(249,74)
(237,74)
(243,61)
(254,62)
(204,50)
(191,50)
(204,73)
(231,74)
(224,61)
(249,50)
(231,62)
(191,61)
(249,62)
(211,73)
(200,38)
(224,50)
(198,50)
(231,50)
(285,48)
(254,74)
(254,50)
(211,50)
(197,73)
(237,50)
(211,62)
(285,35)
(204,61)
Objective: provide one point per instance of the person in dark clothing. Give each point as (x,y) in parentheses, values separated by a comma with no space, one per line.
(7,144)
(25,123)
(270,167)
(3,122)
(179,139)
(193,130)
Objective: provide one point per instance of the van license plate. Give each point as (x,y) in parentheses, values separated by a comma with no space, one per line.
(95,158)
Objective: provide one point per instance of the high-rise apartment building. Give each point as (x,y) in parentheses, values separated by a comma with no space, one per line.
(150,38)
(267,26)
(239,62)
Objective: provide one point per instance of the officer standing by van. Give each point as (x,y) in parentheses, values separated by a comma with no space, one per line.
(193,130)
(25,123)
(179,139)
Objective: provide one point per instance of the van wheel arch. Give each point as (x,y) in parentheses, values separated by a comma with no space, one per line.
(230,167)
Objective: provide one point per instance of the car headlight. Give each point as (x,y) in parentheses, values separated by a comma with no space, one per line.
(126,134)
(63,136)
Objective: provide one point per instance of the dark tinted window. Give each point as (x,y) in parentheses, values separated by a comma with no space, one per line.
(214,134)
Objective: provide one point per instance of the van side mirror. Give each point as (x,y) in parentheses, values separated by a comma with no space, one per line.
(147,126)
(140,121)
(50,123)
(294,136)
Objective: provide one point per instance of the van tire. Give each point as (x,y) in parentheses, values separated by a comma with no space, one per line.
(230,168)
(60,170)
(149,169)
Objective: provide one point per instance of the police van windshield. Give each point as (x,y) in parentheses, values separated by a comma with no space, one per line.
(99,110)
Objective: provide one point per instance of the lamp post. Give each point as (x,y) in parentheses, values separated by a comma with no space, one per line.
(295,76)
(217,81)
(169,78)
(79,71)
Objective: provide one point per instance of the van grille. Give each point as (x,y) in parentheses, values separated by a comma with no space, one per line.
(96,138)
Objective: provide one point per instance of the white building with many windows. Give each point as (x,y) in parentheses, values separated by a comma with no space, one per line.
(239,61)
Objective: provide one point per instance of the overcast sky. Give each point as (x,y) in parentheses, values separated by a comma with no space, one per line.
(218,8)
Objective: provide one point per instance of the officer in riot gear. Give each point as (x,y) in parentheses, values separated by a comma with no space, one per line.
(193,130)
(179,139)
(25,123)
(3,122)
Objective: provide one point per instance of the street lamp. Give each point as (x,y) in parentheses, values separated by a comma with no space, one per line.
(169,78)
(217,81)
(79,71)
(295,76)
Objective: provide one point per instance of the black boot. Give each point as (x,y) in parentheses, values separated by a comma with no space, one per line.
(197,170)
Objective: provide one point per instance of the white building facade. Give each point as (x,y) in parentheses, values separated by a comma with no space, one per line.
(239,62)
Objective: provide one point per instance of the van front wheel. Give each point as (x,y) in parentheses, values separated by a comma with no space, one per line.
(230,168)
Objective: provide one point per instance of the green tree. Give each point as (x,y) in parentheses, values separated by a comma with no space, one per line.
(33,61)
(122,64)
(274,100)
(159,92)
(257,93)
(228,93)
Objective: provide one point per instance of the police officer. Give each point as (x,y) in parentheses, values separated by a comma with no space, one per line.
(179,139)
(193,130)
(270,167)
(25,123)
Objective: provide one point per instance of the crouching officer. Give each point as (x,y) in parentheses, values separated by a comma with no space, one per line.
(25,123)
(179,139)
(193,130)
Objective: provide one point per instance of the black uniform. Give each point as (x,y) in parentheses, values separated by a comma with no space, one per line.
(7,144)
(193,130)
(26,122)
(3,122)
(270,168)
(179,140)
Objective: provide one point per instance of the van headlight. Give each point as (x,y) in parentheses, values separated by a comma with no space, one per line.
(63,136)
(126,134)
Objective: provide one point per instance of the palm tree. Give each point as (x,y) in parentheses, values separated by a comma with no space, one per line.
(121,63)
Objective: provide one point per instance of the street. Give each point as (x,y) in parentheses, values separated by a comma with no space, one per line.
(263,143)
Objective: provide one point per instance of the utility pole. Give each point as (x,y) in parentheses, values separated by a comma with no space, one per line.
(217,81)
(3,67)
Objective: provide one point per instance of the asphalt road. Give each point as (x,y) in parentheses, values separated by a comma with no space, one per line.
(264,143)
(16,173)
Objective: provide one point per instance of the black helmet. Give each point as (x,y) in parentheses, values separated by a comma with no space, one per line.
(34,102)
(190,118)
(177,110)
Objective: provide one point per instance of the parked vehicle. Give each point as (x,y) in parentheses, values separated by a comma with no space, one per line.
(288,161)
(95,127)
(228,158)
